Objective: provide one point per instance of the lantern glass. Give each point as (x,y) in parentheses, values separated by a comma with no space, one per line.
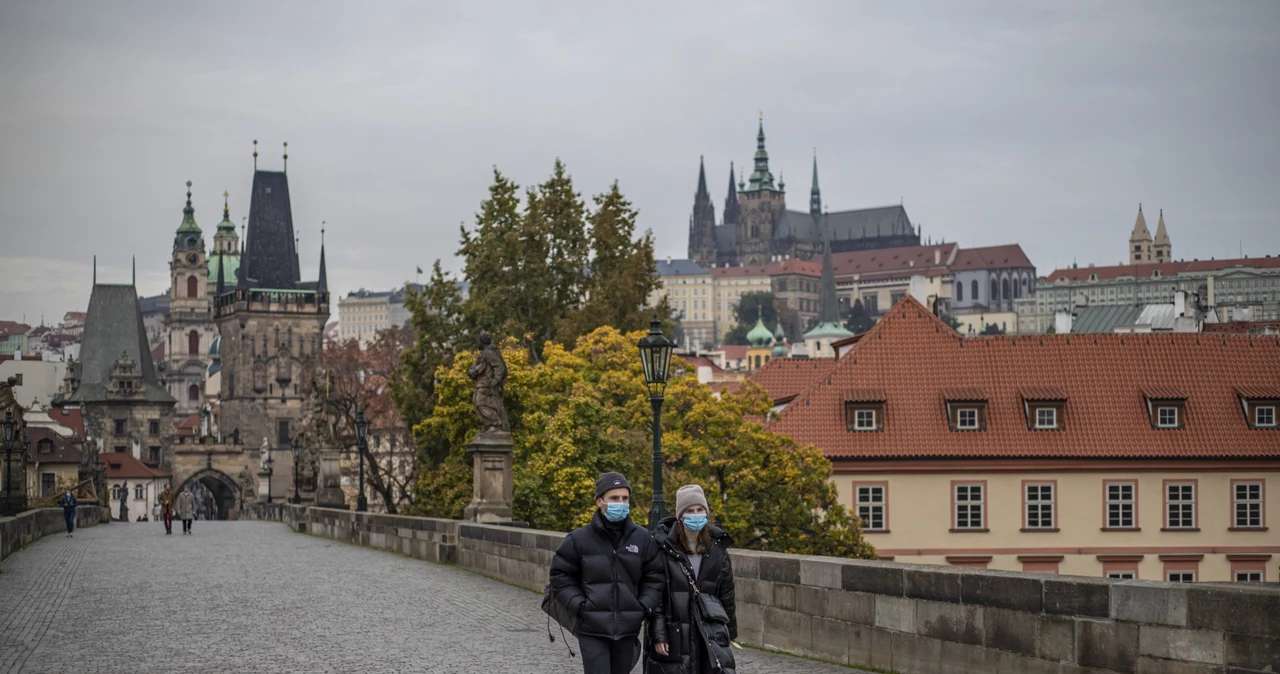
(362,428)
(8,427)
(655,358)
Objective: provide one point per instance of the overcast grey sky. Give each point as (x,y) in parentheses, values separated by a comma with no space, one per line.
(993,121)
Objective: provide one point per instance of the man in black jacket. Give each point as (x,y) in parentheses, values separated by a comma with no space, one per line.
(610,574)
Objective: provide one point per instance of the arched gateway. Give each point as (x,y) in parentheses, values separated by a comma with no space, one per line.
(225,492)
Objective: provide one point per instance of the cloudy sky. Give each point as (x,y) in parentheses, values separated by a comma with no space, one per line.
(993,122)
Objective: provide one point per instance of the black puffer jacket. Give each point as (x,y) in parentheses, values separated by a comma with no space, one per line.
(678,624)
(610,574)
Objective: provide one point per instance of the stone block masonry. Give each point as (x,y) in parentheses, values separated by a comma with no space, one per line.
(906,618)
(32,525)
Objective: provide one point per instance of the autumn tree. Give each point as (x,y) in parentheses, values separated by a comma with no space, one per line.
(360,379)
(859,320)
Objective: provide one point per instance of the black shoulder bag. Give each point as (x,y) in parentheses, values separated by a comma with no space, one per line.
(712,609)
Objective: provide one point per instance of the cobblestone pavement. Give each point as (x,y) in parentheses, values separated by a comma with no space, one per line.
(256,597)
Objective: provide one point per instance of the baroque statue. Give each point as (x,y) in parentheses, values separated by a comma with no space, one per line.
(9,404)
(489,372)
(264,455)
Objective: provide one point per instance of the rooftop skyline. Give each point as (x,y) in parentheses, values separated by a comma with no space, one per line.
(992,122)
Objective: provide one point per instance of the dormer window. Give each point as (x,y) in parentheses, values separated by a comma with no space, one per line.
(864,410)
(1045,408)
(1260,405)
(966,409)
(1167,407)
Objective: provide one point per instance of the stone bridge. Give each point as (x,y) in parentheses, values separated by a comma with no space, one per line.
(252,596)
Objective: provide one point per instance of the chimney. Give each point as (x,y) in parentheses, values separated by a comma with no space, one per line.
(1212,295)
(937,256)
(1179,304)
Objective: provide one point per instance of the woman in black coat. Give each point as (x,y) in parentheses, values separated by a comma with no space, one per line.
(684,638)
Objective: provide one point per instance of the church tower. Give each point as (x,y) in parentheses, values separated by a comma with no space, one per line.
(1140,241)
(226,248)
(762,203)
(270,323)
(190,322)
(1162,247)
(702,223)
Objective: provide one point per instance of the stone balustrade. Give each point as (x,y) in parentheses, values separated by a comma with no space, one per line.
(28,527)
(906,618)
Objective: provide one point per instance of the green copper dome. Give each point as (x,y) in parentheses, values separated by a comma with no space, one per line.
(759,335)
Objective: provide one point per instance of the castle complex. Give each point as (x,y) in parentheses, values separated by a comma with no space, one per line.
(757,227)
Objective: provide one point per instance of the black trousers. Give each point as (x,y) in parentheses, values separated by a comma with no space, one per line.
(607,656)
(186,525)
(70,517)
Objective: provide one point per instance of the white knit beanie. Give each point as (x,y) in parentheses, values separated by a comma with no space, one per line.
(688,496)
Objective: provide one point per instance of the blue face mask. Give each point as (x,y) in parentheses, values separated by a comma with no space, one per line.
(694,522)
(616,512)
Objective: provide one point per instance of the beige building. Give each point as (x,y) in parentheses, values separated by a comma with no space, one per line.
(39,380)
(363,313)
(1130,456)
(689,291)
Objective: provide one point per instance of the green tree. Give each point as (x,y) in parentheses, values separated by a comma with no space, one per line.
(859,320)
(436,325)
(952,321)
(751,307)
(992,329)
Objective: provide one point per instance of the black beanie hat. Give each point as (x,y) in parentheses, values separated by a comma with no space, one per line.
(611,481)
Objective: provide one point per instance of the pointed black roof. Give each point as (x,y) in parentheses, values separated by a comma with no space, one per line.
(270,258)
(322,285)
(114,326)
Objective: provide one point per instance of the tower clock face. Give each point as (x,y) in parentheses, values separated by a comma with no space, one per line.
(191,258)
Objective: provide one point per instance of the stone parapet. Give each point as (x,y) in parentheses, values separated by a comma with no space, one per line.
(906,618)
(28,527)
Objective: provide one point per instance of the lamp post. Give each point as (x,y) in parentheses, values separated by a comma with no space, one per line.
(270,471)
(297,452)
(362,446)
(9,428)
(655,356)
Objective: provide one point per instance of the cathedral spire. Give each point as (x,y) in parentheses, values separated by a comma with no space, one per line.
(702,179)
(761,178)
(702,222)
(815,195)
(828,305)
(1140,240)
(221,279)
(731,209)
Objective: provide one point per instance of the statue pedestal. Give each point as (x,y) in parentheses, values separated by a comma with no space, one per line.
(491,487)
(264,486)
(329,494)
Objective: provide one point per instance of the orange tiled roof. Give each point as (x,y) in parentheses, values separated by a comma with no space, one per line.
(776,268)
(70,417)
(784,378)
(911,260)
(122,464)
(991,257)
(913,358)
(1240,327)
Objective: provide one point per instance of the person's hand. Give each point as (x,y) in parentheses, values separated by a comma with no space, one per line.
(662,649)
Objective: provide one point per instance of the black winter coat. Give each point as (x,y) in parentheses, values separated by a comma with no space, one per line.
(690,639)
(610,575)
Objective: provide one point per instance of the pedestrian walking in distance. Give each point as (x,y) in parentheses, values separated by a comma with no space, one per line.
(608,573)
(693,632)
(166,509)
(69,504)
(186,509)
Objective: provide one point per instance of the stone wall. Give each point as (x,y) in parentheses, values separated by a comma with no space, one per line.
(906,618)
(30,526)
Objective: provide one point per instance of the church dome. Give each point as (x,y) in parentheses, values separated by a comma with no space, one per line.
(759,335)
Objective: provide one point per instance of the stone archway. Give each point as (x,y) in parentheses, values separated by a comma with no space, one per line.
(225,493)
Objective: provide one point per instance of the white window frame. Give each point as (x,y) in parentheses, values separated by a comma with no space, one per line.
(960,420)
(1120,502)
(1039,505)
(1160,419)
(1053,417)
(1180,577)
(1121,575)
(1257,416)
(1236,502)
(1249,576)
(969,505)
(1188,504)
(858,424)
(870,504)
(139,493)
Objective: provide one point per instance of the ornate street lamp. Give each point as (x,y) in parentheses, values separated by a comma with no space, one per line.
(362,446)
(297,452)
(655,356)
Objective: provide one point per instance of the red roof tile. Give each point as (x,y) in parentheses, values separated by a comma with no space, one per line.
(123,465)
(784,378)
(701,361)
(964,394)
(1042,393)
(778,268)
(912,356)
(864,395)
(69,417)
(991,257)
(1165,268)
(1158,392)
(912,260)
(1241,327)
(62,450)
(734,351)
(1259,392)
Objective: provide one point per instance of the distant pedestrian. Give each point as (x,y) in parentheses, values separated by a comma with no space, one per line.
(166,509)
(186,509)
(693,631)
(69,504)
(609,574)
